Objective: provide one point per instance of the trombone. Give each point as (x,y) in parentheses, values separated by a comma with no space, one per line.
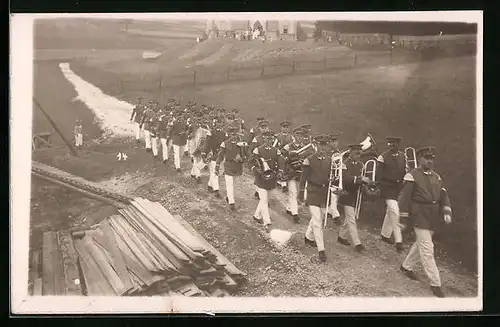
(410,158)
(369,170)
(335,174)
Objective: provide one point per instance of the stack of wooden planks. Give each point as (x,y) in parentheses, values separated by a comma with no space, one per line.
(145,250)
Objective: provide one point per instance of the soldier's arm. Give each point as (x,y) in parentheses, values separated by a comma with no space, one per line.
(444,201)
(281,161)
(304,177)
(134,112)
(405,196)
(380,168)
(253,158)
(206,144)
(349,179)
(220,155)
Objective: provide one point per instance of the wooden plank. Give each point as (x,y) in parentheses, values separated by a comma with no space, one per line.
(168,222)
(59,288)
(232,270)
(70,264)
(47,268)
(166,243)
(104,265)
(151,213)
(96,281)
(164,256)
(92,282)
(105,236)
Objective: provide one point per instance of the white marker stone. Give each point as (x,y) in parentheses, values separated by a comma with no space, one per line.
(280,237)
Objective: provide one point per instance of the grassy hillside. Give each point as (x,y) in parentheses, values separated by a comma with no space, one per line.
(425,103)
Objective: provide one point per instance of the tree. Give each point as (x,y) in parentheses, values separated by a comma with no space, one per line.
(318,30)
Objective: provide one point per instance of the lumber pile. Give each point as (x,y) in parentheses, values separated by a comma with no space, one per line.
(145,250)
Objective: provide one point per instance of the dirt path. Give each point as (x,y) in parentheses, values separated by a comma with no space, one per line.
(293,271)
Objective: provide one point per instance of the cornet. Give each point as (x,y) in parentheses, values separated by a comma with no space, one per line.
(369,170)
(410,159)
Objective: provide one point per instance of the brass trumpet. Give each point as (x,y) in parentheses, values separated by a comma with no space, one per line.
(410,158)
(369,170)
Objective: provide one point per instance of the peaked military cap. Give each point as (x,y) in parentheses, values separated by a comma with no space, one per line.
(321,139)
(263,123)
(393,138)
(334,136)
(355,147)
(425,150)
(260,118)
(268,134)
(285,124)
(235,111)
(231,116)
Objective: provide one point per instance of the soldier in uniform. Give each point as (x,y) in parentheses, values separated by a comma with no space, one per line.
(391,168)
(178,134)
(164,131)
(424,202)
(78,132)
(155,129)
(352,181)
(233,153)
(316,172)
(257,140)
(292,206)
(275,161)
(283,138)
(333,211)
(238,120)
(146,121)
(214,139)
(254,130)
(136,116)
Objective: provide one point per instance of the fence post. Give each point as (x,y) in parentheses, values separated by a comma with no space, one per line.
(355,59)
(160,82)
(293,67)
(229,73)
(194,77)
(390,56)
(262,71)
(324,62)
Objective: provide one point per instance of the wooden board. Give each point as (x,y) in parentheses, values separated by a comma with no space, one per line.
(52,270)
(70,264)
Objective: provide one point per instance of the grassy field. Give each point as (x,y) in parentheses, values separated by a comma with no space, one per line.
(425,103)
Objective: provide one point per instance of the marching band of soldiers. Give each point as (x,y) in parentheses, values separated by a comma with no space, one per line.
(311,170)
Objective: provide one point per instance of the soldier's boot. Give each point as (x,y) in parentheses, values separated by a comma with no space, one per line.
(322,256)
(258,220)
(343,241)
(408,273)
(198,180)
(210,189)
(360,248)
(387,240)
(232,207)
(309,242)
(296,218)
(268,228)
(399,247)
(256,195)
(217,194)
(437,291)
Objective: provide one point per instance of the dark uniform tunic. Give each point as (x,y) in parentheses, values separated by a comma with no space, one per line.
(391,169)
(274,160)
(351,182)
(229,152)
(137,113)
(147,119)
(283,139)
(163,126)
(155,124)
(213,141)
(424,199)
(316,173)
(178,132)
(289,170)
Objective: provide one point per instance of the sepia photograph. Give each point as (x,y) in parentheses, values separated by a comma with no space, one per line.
(237,162)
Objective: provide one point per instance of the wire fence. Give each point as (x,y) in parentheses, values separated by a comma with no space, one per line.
(203,75)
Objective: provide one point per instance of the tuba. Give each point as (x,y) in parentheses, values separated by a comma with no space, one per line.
(410,158)
(265,172)
(296,158)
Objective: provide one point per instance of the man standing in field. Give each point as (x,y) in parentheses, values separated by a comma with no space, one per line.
(258,140)
(316,172)
(424,202)
(333,207)
(391,168)
(215,137)
(78,131)
(163,132)
(136,116)
(352,180)
(155,129)
(232,152)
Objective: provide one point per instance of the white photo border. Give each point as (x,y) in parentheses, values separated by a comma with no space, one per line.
(20,149)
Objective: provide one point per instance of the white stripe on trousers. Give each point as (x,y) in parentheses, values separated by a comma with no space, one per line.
(315,227)
(178,150)
(423,249)
(391,221)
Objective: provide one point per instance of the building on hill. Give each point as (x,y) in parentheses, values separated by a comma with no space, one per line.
(283,29)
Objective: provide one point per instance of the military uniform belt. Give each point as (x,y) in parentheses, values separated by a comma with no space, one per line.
(425,202)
